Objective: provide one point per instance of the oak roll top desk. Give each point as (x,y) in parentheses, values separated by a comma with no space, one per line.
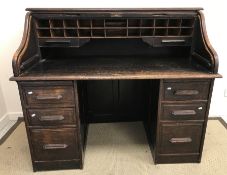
(80,66)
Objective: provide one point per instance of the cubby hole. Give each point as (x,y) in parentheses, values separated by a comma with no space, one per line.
(98,33)
(115,23)
(187,22)
(186,31)
(160,32)
(85,33)
(133,32)
(57,32)
(161,22)
(44,33)
(147,23)
(147,32)
(55,23)
(133,22)
(71,33)
(42,23)
(70,23)
(84,23)
(173,31)
(116,32)
(97,23)
(174,22)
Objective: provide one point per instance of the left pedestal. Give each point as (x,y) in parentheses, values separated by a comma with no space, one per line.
(51,112)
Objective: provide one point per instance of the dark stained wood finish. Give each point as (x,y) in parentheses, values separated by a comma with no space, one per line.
(190,90)
(52,116)
(53,126)
(123,100)
(42,95)
(176,112)
(78,66)
(181,122)
(114,68)
(179,138)
(55,144)
(49,10)
(57,165)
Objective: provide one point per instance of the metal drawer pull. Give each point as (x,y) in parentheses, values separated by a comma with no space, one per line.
(58,41)
(186,92)
(173,41)
(54,146)
(57,97)
(181,140)
(184,112)
(51,118)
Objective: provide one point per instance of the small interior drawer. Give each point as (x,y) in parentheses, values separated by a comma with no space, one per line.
(180,138)
(186,90)
(55,144)
(51,116)
(49,95)
(183,111)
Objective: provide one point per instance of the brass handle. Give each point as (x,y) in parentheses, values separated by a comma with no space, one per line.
(116,15)
(173,41)
(58,41)
(54,146)
(51,118)
(183,112)
(181,140)
(57,97)
(186,92)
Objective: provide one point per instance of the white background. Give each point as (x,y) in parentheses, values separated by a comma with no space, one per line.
(12,15)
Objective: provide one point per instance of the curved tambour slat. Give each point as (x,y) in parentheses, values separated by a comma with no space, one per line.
(17,58)
(207,43)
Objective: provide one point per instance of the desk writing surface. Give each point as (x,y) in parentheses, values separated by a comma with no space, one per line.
(87,68)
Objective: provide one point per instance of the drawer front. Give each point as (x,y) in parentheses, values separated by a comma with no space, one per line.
(183,111)
(62,42)
(180,138)
(51,116)
(44,95)
(54,144)
(186,90)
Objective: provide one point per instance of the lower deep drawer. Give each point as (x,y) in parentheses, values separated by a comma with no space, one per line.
(55,144)
(178,138)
